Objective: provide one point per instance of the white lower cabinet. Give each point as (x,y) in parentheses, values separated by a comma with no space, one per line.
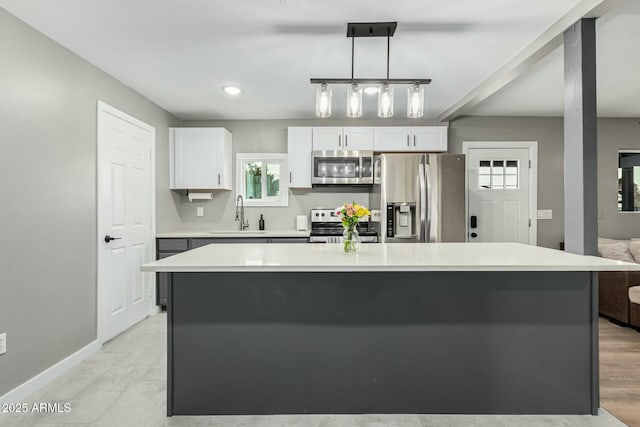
(299,146)
(200,158)
(403,139)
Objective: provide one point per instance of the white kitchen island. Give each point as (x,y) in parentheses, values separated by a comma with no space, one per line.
(398,328)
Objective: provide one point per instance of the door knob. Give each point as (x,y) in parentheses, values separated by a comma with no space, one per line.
(108,238)
(474,235)
(474,221)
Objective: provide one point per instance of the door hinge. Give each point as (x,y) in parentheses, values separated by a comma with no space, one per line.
(529,164)
(529,222)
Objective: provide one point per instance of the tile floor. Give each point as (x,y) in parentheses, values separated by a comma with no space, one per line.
(124,385)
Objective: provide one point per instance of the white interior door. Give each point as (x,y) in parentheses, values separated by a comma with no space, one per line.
(499,195)
(125,215)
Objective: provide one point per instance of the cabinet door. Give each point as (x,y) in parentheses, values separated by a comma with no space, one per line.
(328,138)
(358,138)
(299,143)
(391,139)
(162,281)
(200,158)
(223,164)
(289,240)
(194,158)
(172,245)
(429,138)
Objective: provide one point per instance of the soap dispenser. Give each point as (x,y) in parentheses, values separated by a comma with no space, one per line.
(261,223)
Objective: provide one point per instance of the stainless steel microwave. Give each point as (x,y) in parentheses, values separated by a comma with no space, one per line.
(342,167)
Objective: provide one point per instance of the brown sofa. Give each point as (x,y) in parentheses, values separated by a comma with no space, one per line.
(634,307)
(614,295)
(614,285)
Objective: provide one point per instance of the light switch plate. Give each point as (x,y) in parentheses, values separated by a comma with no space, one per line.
(545,214)
(3,343)
(199,211)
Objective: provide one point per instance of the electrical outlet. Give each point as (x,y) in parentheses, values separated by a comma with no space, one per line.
(199,211)
(3,343)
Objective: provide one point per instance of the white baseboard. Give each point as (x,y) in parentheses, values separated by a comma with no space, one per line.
(18,394)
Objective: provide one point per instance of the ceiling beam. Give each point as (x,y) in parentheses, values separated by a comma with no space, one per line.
(529,56)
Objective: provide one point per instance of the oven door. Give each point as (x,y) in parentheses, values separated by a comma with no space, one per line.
(342,167)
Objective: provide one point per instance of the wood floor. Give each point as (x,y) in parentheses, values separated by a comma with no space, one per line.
(620,372)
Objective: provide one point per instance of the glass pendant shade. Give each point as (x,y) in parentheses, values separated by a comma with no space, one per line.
(415,101)
(354,101)
(385,101)
(323,101)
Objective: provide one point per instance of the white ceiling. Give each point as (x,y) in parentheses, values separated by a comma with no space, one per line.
(540,90)
(180,53)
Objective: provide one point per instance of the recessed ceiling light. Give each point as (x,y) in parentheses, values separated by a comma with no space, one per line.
(371,90)
(232,90)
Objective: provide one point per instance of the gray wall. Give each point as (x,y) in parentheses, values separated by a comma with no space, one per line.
(259,136)
(48,100)
(613,134)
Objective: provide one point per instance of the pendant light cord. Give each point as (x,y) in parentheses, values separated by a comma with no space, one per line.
(353,41)
(388,51)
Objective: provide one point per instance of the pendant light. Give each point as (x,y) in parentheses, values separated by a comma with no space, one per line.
(415,94)
(385,101)
(415,101)
(323,101)
(354,101)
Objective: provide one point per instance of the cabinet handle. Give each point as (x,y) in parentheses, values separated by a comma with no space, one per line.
(289,177)
(414,140)
(346,141)
(218,179)
(339,140)
(408,144)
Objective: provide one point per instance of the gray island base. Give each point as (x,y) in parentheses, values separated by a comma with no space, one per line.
(449,328)
(382,342)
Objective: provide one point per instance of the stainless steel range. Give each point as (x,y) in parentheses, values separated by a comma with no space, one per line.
(326,227)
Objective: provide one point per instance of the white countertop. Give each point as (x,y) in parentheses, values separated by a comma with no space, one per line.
(232,233)
(381,257)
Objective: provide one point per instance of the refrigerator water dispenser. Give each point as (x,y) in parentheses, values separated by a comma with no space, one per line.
(401,220)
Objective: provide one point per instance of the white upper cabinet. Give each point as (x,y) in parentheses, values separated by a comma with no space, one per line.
(338,138)
(327,138)
(358,138)
(200,158)
(429,138)
(421,138)
(392,139)
(299,146)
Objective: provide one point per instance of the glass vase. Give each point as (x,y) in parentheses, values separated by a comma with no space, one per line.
(351,240)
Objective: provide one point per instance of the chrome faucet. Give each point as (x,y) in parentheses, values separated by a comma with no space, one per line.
(240,213)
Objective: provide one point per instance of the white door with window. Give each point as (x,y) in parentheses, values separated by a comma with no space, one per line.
(499,197)
(125,226)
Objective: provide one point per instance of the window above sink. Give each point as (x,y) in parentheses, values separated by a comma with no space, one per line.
(259,179)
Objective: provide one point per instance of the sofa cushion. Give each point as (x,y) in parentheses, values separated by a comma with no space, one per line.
(605,241)
(634,294)
(634,248)
(616,249)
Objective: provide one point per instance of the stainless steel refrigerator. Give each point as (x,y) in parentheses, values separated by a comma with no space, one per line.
(420,197)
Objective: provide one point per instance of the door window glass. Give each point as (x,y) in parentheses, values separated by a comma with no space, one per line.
(498,174)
